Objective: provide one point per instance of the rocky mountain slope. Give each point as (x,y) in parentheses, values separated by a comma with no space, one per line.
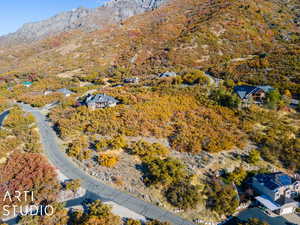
(84,19)
(252,41)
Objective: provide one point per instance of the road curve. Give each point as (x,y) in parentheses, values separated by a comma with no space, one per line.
(66,166)
(3,116)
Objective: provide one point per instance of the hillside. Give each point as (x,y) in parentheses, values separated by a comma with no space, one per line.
(240,40)
(178,142)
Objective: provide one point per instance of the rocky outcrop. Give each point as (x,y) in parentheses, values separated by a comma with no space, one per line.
(112,12)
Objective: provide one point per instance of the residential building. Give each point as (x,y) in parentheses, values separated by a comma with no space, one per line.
(277,191)
(66,92)
(252,94)
(48,92)
(132,80)
(27,83)
(168,74)
(100,101)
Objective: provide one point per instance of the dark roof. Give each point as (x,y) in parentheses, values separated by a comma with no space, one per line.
(101,98)
(274,180)
(243,91)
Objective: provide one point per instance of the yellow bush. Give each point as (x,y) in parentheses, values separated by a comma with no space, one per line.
(108,160)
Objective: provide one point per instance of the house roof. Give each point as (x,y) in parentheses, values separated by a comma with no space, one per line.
(244,91)
(131,79)
(65,91)
(274,180)
(266,88)
(27,83)
(101,98)
(168,74)
(267,202)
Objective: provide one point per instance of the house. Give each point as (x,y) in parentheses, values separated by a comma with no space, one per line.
(277,192)
(48,92)
(66,92)
(168,74)
(132,80)
(100,101)
(255,94)
(27,83)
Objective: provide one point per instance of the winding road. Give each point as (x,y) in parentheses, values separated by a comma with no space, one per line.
(96,189)
(3,116)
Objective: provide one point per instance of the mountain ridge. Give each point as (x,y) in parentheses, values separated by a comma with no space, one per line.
(85,19)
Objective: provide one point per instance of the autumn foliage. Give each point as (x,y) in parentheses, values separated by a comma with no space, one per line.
(28,172)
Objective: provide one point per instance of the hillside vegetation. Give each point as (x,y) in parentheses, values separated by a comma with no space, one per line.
(240,40)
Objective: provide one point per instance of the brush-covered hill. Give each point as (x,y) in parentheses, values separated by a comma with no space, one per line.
(251,40)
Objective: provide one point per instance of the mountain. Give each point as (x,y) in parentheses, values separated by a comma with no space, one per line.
(84,19)
(251,41)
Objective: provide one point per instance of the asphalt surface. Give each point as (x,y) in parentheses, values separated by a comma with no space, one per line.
(3,116)
(278,220)
(96,189)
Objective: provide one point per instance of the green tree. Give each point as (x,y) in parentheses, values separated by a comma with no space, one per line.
(183,195)
(221,198)
(73,185)
(165,171)
(237,176)
(273,99)
(254,156)
(225,98)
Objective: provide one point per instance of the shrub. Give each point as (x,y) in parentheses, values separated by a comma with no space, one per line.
(165,171)
(183,195)
(133,222)
(254,156)
(78,149)
(98,213)
(237,176)
(156,222)
(117,142)
(101,145)
(195,77)
(221,198)
(73,185)
(147,150)
(108,160)
(225,98)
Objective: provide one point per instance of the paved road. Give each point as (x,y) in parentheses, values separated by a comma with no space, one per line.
(279,220)
(3,116)
(96,188)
